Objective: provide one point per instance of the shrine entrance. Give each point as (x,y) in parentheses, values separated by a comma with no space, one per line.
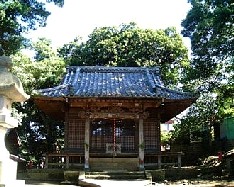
(113,137)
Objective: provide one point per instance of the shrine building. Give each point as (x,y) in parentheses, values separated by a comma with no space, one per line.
(111,116)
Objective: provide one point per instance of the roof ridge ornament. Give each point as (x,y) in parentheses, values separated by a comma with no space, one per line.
(151,81)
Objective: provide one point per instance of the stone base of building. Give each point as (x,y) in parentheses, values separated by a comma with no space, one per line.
(102,164)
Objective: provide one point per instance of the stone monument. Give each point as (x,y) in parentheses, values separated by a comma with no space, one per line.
(11,90)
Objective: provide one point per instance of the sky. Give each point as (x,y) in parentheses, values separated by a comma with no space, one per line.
(81,17)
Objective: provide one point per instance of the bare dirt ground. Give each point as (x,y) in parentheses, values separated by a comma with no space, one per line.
(142,183)
(198,182)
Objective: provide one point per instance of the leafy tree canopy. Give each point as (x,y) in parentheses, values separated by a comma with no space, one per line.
(46,70)
(129,45)
(19,16)
(210,26)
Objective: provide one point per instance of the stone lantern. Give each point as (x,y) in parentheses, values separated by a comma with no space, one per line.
(11,90)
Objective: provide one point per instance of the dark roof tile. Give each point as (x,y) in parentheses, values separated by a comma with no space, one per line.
(96,81)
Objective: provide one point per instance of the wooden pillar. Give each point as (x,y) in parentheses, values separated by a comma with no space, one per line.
(66,130)
(179,160)
(159,144)
(46,161)
(67,161)
(159,161)
(141,145)
(87,133)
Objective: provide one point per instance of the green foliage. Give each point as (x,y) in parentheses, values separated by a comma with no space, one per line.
(197,124)
(166,137)
(18,17)
(224,88)
(45,72)
(215,103)
(37,132)
(129,45)
(43,50)
(209,24)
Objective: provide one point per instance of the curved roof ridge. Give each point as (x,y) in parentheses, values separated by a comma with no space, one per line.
(106,69)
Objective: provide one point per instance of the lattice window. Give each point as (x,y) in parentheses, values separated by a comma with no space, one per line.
(151,136)
(125,134)
(76,133)
(101,133)
(128,143)
(112,131)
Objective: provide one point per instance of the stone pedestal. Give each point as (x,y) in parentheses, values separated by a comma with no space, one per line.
(10,91)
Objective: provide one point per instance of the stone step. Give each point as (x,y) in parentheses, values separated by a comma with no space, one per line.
(121,175)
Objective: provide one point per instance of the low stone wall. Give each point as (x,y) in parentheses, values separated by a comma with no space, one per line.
(192,153)
(182,173)
(197,150)
(42,174)
(173,174)
(72,176)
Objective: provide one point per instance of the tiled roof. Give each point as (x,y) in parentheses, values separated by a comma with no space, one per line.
(117,82)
